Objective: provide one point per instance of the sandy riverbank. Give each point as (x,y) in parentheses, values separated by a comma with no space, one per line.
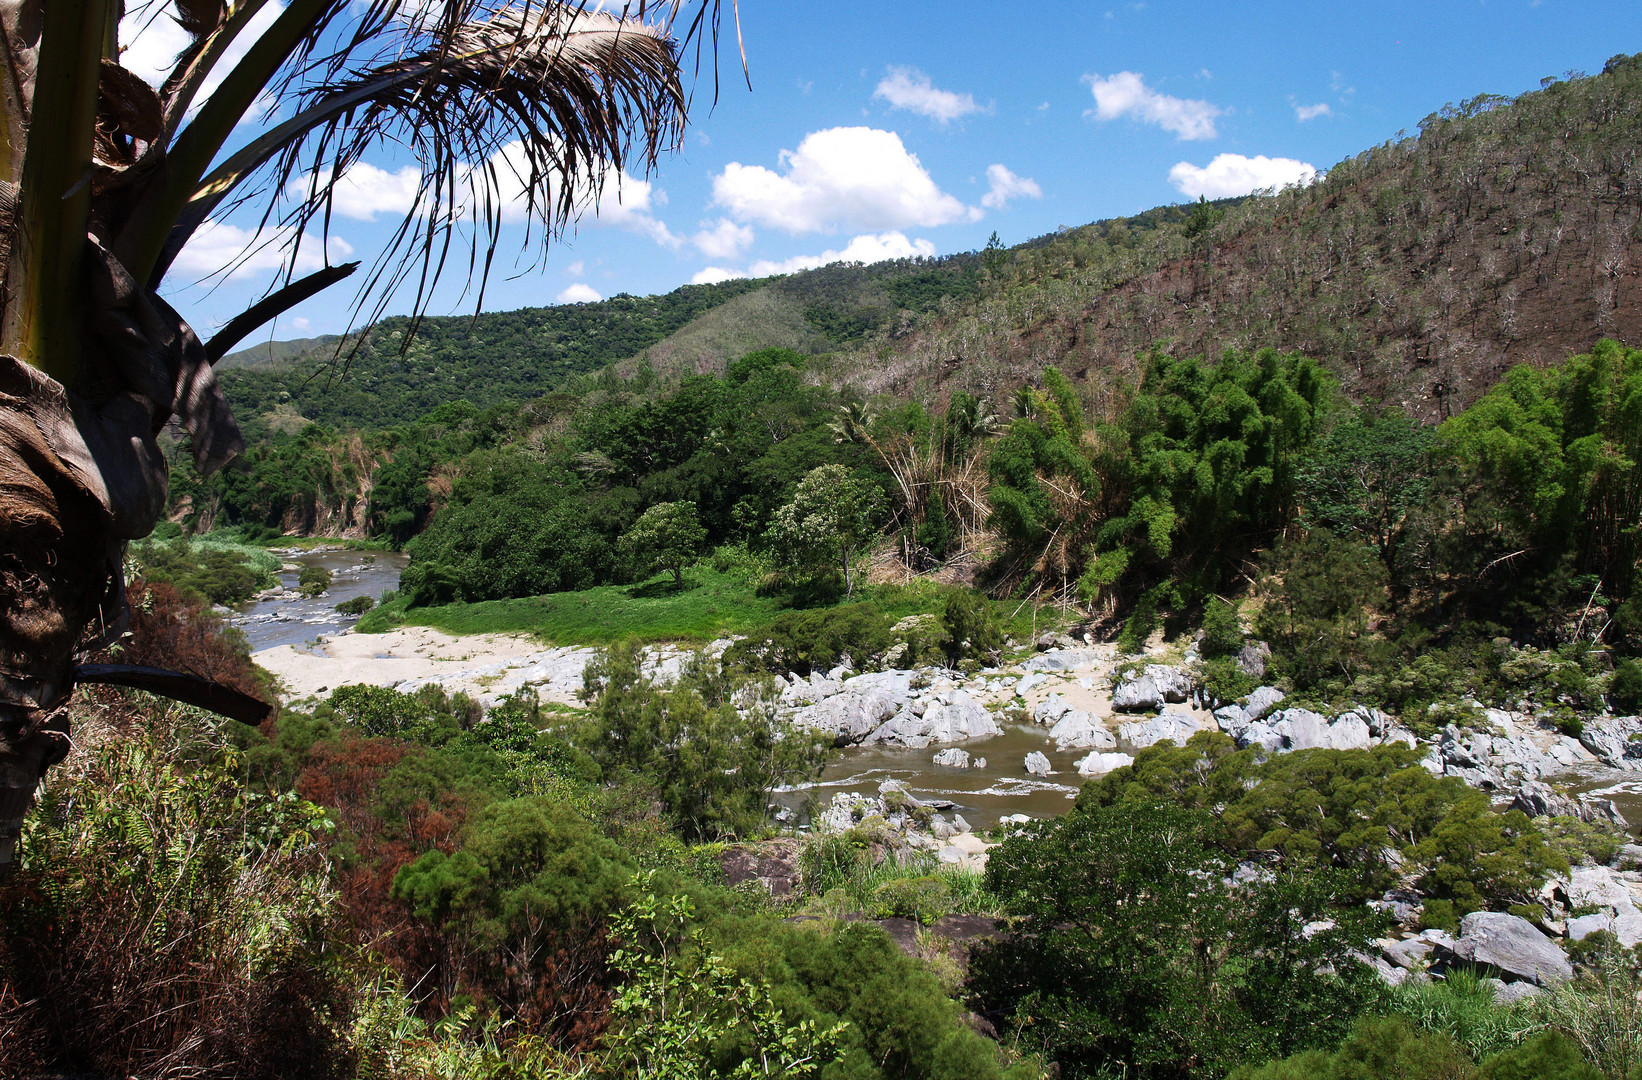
(401,658)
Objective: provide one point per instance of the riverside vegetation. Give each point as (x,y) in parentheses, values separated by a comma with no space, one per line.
(392,885)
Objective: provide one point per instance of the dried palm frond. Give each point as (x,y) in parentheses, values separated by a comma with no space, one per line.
(504,109)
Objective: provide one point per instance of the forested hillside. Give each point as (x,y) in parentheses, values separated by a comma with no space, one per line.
(1419,271)
(501,356)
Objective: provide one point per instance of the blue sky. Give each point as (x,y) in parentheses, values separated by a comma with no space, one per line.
(876,130)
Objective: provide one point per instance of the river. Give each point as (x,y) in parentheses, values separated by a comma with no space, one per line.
(982,795)
(292,620)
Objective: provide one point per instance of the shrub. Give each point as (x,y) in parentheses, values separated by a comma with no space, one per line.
(174,922)
(1222,629)
(1377,1047)
(314,581)
(1132,950)
(356,606)
(712,745)
(1343,808)
(807,641)
(971,629)
(1625,691)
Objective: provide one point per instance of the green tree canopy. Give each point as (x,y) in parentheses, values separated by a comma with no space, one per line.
(665,537)
(831,518)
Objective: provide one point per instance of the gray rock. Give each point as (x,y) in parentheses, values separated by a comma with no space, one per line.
(1053,708)
(1411,954)
(1151,689)
(1301,729)
(1233,719)
(1252,659)
(1028,681)
(850,716)
(1596,886)
(1262,735)
(952,717)
(1583,926)
(1061,660)
(1511,944)
(1349,731)
(1099,764)
(1611,740)
(1262,701)
(1081,731)
(1037,764)
(1137,695)
(959,824)
(1170,725)
(953,758)
(1174,684)
(1511,993)
(1540,800)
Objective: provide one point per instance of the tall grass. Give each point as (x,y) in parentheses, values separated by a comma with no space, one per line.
(1462,1007)
(1601,1010)
(844,874)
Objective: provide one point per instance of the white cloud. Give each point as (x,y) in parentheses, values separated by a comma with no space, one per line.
(579,293)
(622,201)
(1303,113)
(712,275)
(151,41)
(1126,94)
(849,177)
(910,89)
(725,240)
(1234,174)
(302,324)
(862,249)
(1005,186)
(365,191)
(577,268)
(217,247)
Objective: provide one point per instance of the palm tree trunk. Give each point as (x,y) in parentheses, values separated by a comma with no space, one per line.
(45,289)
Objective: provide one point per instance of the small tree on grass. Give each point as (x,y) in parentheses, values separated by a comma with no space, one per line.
(668,536)
(833,516)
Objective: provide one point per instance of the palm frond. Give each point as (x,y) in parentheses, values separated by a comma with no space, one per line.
(534,106)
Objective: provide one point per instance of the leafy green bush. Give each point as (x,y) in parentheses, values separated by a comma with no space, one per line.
(807,641)
(972,629)
(667,536)
(1387,1048)
(1460,1007)
(1222,630)
(178,919)
(710,743)
(1377,1048)
(1132,950)
(313,581)
(1375,815)
(1324,590)
(356,606)
(427,716)
(1625,691)
(223,573)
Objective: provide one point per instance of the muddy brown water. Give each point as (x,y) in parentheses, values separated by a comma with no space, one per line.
(981,795)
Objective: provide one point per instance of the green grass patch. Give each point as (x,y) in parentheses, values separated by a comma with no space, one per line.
(710,605)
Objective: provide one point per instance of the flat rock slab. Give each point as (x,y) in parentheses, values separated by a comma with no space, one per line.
(1512,945)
